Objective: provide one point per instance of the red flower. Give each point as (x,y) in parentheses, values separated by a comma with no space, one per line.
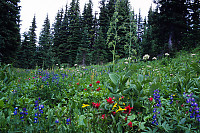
(98,89)
(33,77)
(182,105)
(113,113)
(90,85)
(98,82)
(128,109)
(85,89)
(109,100)
(150,99)
(95,105)
(122,97)
(103,116)
(126,119)
(77,83)
(130,124)
(40,76)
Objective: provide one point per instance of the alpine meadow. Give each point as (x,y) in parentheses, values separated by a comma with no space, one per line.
(112,71)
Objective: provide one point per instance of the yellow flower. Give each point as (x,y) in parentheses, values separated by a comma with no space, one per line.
(174,95)
(85,105)
(123,103)
(114,106)
(120,109)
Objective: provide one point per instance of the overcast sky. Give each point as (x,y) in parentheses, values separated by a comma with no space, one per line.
(41,7)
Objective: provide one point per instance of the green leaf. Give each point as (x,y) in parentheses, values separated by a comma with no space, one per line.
(1,103)
(114,78)
(81,120)
(182,121)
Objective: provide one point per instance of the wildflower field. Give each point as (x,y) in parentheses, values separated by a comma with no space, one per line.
(159,95)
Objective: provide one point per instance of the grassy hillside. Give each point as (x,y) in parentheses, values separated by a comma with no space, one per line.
(160,95)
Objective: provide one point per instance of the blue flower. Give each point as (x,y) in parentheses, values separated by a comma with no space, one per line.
(57,121)
(68,121)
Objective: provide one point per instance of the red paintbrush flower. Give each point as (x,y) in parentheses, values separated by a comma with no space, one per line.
(109,100)
(128,109)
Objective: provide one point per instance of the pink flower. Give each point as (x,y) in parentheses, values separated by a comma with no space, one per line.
(98,82)
(130,124)
(33,77)
(103,116)
(150,99)
(90,85)
(40,76)
(109,100)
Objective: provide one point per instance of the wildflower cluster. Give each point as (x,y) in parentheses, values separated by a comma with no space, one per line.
(23,113)
(171,99)
(39,108)
(194,109)
(156,97)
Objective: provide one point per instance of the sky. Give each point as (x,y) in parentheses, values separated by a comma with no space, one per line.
(40,8)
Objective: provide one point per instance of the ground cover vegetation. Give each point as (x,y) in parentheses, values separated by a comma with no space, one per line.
(112,72)
(144,96)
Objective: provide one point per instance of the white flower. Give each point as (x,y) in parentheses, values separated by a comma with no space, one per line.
(75,64)
(148,66)
(56,64)
(129,58)
(154,58)
(193,54)
(61,68)
(83,67)
(125,62)
(166,54)
(146,57)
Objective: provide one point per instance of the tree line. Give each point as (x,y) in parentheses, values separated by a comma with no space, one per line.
(90,38)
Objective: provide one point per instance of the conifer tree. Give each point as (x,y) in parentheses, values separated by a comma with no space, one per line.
(57,36)
(45,46)
(9,30)
(74,30)
(64,47)
(32,44)
(23,57)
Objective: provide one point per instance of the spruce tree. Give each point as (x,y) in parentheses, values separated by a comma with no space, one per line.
(9,30)
(57,36)
(74,30)
(45,46)
(32,44)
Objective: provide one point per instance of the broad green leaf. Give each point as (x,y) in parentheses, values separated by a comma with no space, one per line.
(114,78)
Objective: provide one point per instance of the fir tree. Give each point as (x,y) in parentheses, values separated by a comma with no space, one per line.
(9,30)
(32,44)
(45,46)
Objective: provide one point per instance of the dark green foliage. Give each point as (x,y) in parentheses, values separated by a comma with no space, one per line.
(9,30)
(44,51)
(57,35)
(23,59)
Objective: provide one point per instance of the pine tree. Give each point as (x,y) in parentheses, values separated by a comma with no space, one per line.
(45,46)
(9,30)
(23,57)
(74,28)
(174,22)
(64,47)
(32,44)
(57,36)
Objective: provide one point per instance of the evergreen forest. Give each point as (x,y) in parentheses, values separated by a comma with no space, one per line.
(112,71)
(97,38)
